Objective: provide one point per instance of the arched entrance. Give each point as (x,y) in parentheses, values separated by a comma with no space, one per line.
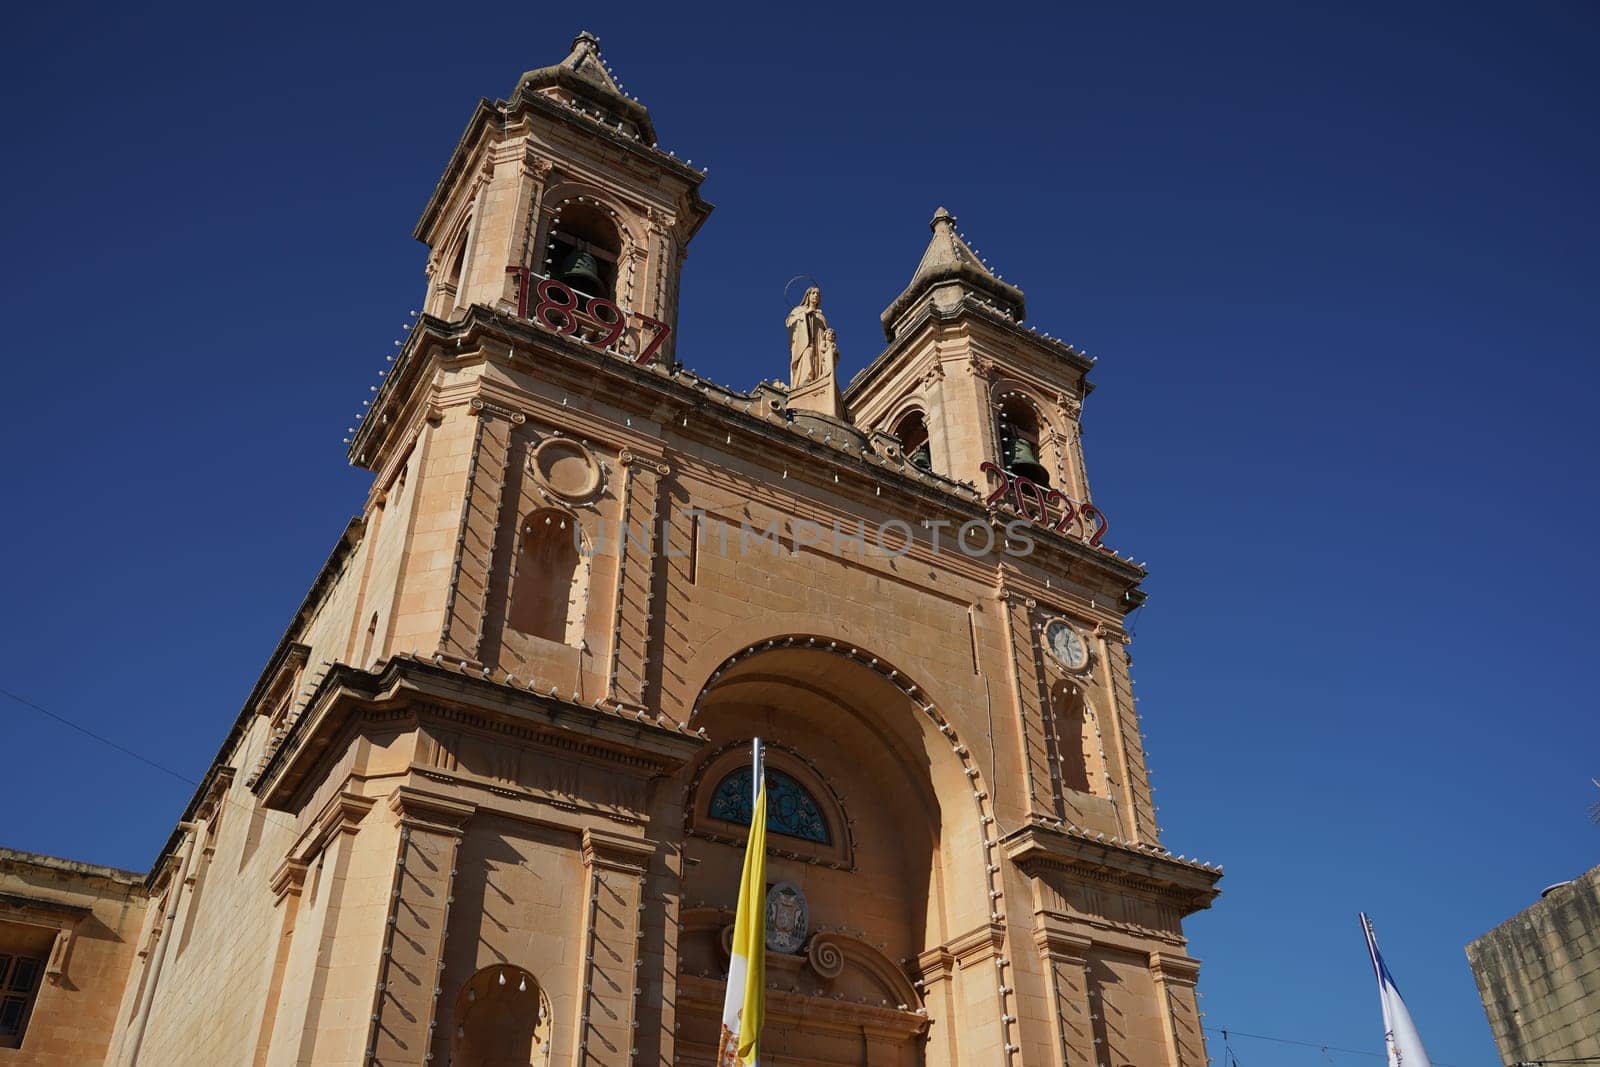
(879,839)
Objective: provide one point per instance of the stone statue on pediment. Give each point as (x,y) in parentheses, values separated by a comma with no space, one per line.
(813,358)
(808,329)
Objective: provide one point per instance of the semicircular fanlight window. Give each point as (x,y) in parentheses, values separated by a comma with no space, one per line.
(791,809)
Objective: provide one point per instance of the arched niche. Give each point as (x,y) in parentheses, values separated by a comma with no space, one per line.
(502,1019)
(550,585)
(1080,748)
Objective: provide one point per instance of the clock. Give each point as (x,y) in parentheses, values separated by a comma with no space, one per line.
(1066,645)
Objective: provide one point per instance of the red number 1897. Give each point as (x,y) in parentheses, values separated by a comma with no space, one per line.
(561,309)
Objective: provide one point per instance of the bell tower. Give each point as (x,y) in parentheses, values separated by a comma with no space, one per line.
(563,181)
(964,383)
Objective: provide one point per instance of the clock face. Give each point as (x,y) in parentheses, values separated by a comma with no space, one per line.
(1067,645)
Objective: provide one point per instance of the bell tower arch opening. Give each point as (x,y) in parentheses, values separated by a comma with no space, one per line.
(585,247)
(912,430)
(1018,428)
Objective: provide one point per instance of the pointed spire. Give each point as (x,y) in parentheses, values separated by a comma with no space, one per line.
(584,74)
(950,259)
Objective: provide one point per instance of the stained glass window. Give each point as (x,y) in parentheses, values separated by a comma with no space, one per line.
(791,809)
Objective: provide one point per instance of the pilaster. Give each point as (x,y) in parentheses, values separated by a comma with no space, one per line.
(1175,977)
(638,602)
(407,995)
(1065,959)
(608,1003)
(467,603)
(1032,722)
(1132,792)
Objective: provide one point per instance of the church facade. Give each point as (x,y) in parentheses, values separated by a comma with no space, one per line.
(486,804)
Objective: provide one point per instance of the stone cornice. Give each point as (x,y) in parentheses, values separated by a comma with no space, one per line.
(57,908)
(1189,886)
(417,687)
(58,867)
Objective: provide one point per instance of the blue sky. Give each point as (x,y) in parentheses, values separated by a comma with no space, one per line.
(1339,267)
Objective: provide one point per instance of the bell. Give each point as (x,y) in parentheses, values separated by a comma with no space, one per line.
(922,458)
(1025,463)
(580,271)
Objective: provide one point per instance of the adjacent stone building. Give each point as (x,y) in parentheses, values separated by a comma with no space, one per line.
(1539,975)
(486,803)
(67,937)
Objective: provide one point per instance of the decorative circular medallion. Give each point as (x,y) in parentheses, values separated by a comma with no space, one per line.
(566,468)
(787,918)
(1066,645)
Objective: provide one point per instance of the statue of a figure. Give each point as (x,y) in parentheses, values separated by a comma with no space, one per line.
(812,353)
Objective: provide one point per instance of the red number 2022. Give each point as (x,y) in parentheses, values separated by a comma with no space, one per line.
(558,310)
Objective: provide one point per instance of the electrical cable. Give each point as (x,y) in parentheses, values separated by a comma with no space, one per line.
(1324,1046)
(184,778)
(103,740)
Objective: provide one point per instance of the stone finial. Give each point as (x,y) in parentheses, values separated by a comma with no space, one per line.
(949,258)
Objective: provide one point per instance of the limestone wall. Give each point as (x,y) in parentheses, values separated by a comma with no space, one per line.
(1539,975)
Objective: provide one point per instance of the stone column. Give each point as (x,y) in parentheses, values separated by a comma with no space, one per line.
(608,997)
(419,913)
(1175,978)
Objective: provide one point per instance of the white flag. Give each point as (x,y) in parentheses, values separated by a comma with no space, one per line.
(1399,1032)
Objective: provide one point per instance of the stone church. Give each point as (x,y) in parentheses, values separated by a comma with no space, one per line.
(486,803)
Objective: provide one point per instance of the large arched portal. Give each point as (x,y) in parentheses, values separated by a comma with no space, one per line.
(876,861)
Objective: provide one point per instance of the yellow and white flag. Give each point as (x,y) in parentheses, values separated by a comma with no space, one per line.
(744,1007)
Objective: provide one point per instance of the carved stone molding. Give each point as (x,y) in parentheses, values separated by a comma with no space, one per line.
(289,878)
(342,814)
(1178,970)
(978,945)
(481,406)
(1056,943)
(615,852)
(420,810)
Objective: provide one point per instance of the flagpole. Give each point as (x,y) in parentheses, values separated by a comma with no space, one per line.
(744,1004)
(758,770)
(1400,1038)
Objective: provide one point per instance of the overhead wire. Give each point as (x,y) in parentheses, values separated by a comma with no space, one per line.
(126,751)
